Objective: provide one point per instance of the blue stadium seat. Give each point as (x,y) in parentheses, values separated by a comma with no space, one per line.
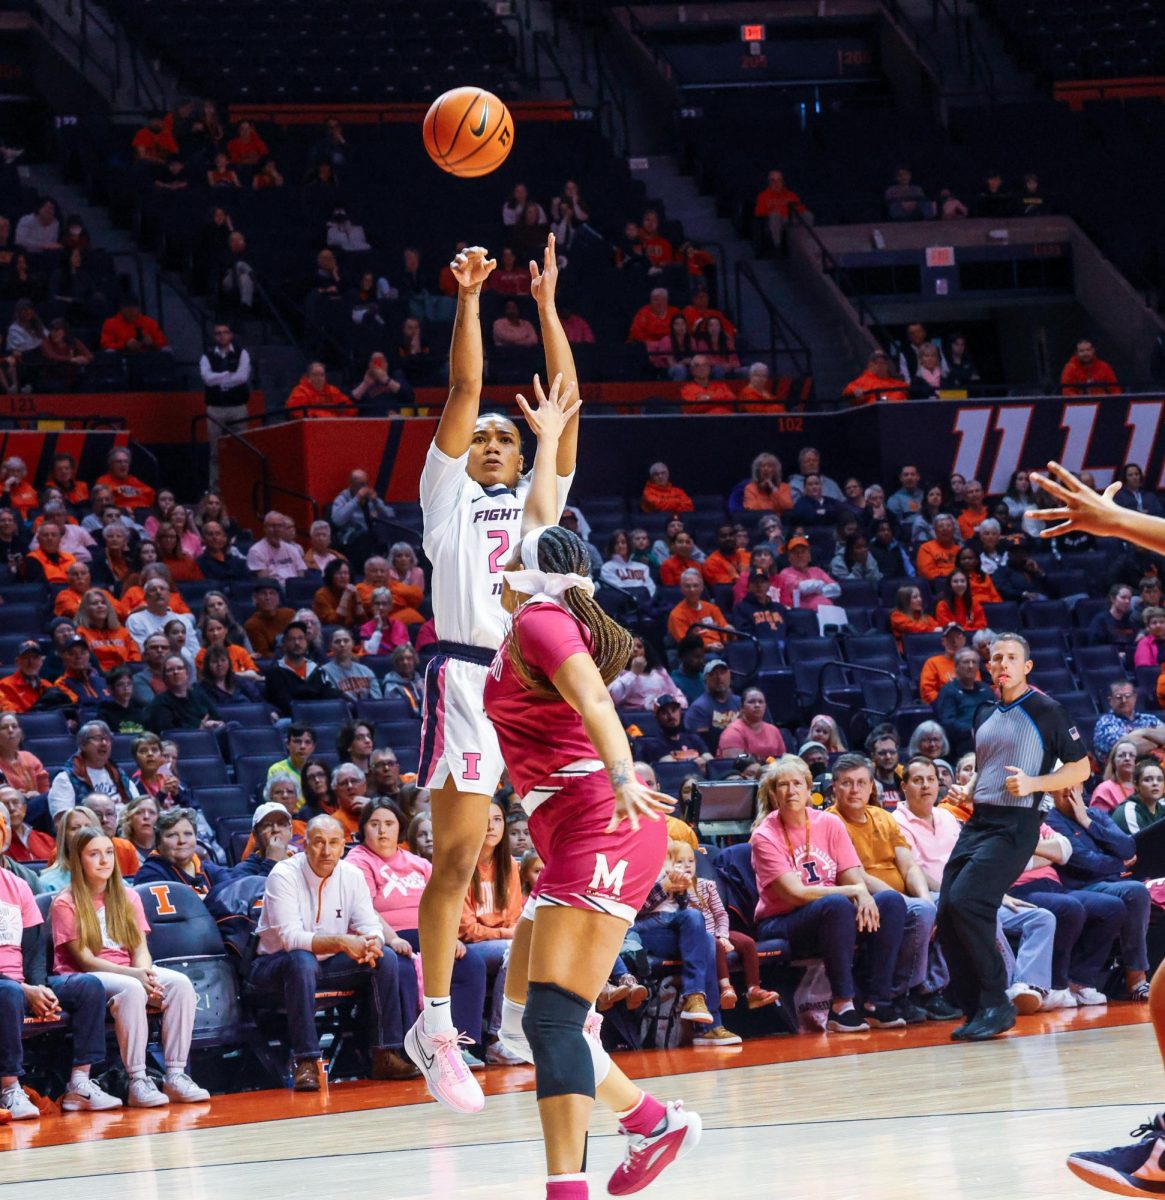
(54,752)
(215,802)
(193,743)
(1099,659)
(1037,613)
(251,716)
(264,740)
(251,772)
(319,712)
(44,724)
(1052,679)
(393,708)
(1002,617)
(203,772)
(398,734)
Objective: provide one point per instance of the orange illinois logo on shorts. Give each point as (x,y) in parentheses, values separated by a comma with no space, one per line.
(607,878)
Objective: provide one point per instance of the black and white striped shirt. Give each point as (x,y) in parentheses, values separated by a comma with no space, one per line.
(1032,733)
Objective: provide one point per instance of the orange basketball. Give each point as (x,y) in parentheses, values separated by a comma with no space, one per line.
(468,132)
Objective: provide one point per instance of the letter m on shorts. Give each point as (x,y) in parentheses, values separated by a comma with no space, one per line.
(607,878)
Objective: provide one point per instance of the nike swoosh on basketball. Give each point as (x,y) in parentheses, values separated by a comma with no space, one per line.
(484,119)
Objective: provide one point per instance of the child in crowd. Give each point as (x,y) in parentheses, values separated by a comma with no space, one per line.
(529,869)
(704,895)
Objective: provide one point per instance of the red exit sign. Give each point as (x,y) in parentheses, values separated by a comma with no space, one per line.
(752,33)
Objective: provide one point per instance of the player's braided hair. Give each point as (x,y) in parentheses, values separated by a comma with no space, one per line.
(564,553)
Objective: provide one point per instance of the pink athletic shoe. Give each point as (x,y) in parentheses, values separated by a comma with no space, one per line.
(646,1157)
(438,1056)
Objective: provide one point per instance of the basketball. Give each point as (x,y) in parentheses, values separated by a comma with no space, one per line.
(468,132)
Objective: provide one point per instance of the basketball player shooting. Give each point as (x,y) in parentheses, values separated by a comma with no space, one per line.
(1136,1169)
(472,495)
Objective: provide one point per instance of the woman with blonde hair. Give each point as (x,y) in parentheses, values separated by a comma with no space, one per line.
(69,822)
(1117,785)
(99,928)
(110,642)
(767,491)
(136,825)
(812,892)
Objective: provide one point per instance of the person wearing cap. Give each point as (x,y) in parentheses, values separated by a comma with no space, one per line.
(20,691)
(695,614)
(879,381)
(803,586)
(26,991)
(84,685)
(271,831)
(266,624)
(157,614)
(750,733)
(939,669)
(660,495)
(758,612)
(959,699)
(674,743)
(718,707)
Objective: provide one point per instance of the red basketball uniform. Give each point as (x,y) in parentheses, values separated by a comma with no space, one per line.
(564,787)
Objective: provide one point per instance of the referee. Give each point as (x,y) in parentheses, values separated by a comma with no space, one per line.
(1019,739)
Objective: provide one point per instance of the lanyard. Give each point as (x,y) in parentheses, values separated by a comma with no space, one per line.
(789,843)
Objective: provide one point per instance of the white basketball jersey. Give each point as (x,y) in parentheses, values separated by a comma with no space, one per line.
(470,533)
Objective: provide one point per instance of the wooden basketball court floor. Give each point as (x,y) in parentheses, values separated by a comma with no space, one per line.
(892,1115)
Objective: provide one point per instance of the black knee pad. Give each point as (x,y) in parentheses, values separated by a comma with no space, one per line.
(553,1025)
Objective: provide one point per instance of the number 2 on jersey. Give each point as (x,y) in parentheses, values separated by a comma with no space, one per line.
(497,556)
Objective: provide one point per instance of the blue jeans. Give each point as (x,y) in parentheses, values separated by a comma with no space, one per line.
(81,996)
(491,954)
(915,968)
(1135,897)
(683,934)
(1087,924)
(467,991)
(1032,963)
(828,929)
(292,977)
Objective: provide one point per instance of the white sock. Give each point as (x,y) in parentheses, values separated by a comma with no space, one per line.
(844,1008)
(511,1028)
(78,1076)
(437,1015)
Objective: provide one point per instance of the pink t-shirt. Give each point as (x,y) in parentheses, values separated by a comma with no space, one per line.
(18,912)
(1045,870)
(396,884)
(932,847)
(829,853)
(762,743)
(1147,652)
(64,918)
(790,579)
(538,734)
(1109,795)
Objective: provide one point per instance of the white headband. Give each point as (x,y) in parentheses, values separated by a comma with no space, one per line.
(539,584)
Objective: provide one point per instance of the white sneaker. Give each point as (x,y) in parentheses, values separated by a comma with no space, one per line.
(183,1089)
(1088,995)
(143,1093)
(83,1095)
(439,1058)
(1058,998)
(501,1055)
(1026,998)
(16,1100)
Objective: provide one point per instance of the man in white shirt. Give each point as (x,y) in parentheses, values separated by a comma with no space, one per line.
(157,614)
(274,557)
(319,931)
(226,374)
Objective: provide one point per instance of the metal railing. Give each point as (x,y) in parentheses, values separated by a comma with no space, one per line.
(784,340)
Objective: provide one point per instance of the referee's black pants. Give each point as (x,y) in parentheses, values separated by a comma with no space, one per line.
(991,853)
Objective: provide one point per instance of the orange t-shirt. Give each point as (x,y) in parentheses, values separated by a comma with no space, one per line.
(135,599)
(935,561)
(241,151)
(868,388)
(713,397)
(111,647)
(68,602)
(779,500)
(1097,379)
(647,327)
(901,623)
(756,403)
(665,499)
(683,620)
(240,659)
(129,492)
(716,568)
(23,498)
(944,614)
(773,201)
(984,591)
(693,316)
(331,402)
(57,572)
(938,670)
(969,518)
